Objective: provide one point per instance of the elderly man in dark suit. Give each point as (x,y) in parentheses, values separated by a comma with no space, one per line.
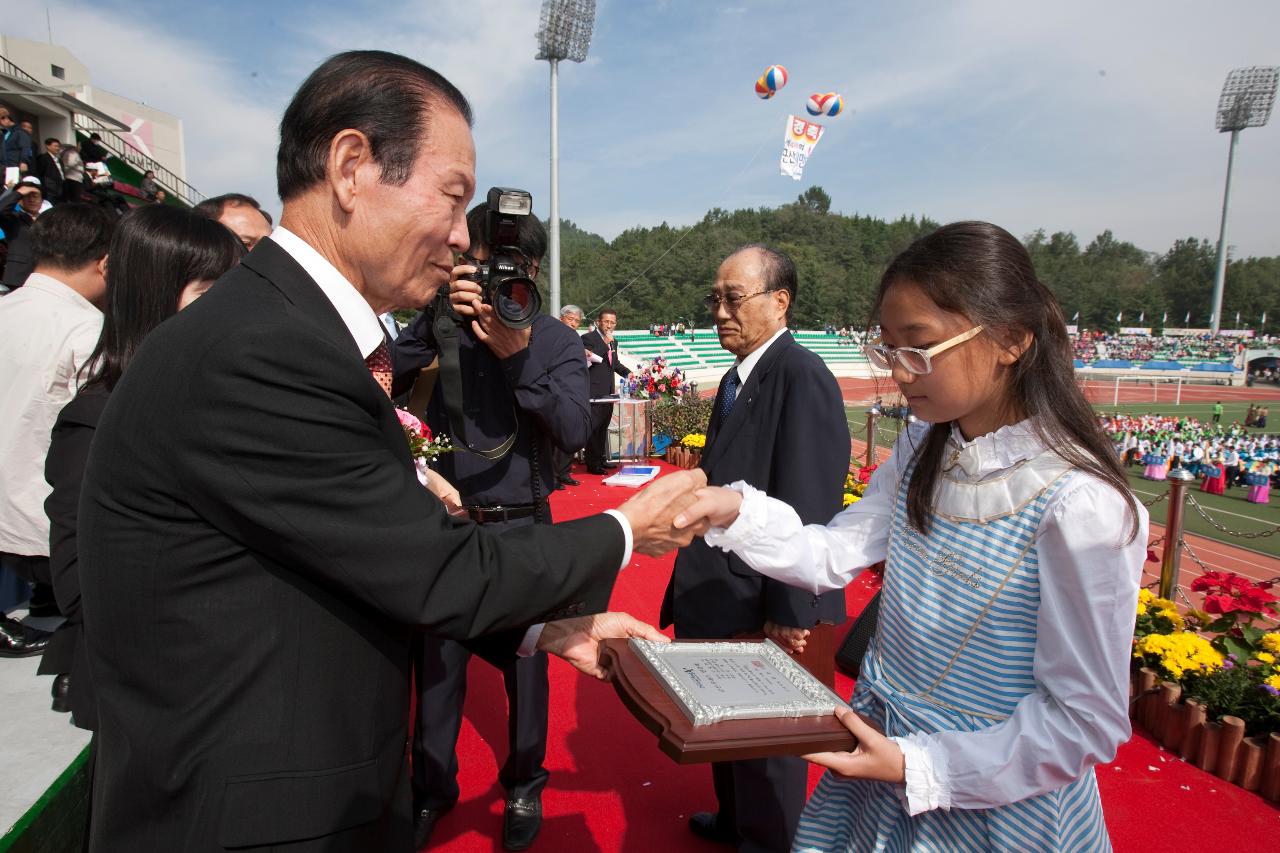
(602,353)
(778,424)
(256,551)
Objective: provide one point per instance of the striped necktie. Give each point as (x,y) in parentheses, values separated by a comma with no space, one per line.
(379,364)
(728,393)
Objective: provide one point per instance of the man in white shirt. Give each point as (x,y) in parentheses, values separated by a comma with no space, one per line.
(48,328)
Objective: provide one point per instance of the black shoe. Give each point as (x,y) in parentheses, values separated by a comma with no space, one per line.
(706,825)
(424,823)
(42,602)
(521,822)
(569,481)
(61,689)
(19,641)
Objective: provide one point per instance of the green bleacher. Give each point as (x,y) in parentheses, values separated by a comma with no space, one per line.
(705,351)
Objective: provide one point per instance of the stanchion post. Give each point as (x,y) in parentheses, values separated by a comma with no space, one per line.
(1178,479)
(873,415)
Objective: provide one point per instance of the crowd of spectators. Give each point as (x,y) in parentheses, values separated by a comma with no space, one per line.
(1094,346)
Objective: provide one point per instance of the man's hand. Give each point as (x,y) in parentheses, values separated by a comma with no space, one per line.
(467,299)
(496,335)
(789,638)
(652,511)
(875,757)
(715,506)
(578,640)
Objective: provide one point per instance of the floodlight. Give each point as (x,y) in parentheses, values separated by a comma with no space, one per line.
(1246,101)
(1247,97)
(564,32)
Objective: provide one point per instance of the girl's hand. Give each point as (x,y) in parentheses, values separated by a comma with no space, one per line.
(444,490)
(718,505)
(876,757)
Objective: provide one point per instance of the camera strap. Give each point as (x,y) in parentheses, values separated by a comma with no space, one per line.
(448,334)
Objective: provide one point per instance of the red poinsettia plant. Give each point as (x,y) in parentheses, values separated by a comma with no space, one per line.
(1236,602)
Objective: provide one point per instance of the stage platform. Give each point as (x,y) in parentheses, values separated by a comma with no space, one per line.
(42,797)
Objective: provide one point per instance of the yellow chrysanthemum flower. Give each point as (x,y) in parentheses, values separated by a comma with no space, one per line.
(1179,654)
(1145,596)
(1272,681)
(1265,657)
(1271,642)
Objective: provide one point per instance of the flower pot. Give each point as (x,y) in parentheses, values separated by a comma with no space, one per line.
(1181,726)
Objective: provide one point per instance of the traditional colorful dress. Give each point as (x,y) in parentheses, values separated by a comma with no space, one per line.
(1000,663)
(1259,482)
(1157,466)
(1215,478)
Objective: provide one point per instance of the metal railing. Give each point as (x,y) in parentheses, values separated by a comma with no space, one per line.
(117,144)
(128,152)
(12,70)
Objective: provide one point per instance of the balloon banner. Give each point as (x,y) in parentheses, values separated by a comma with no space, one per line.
(798,142)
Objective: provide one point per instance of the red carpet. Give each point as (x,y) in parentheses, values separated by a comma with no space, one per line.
(612,790)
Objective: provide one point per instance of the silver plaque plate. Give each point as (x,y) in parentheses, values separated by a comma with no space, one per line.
(747,680)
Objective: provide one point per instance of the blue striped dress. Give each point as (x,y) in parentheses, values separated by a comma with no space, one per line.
(953,651)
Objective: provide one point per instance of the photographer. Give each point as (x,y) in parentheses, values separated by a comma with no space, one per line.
(525,396)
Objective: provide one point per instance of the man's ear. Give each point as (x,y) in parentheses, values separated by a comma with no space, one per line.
(348,151)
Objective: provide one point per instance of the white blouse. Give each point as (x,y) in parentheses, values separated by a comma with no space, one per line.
(1089,574)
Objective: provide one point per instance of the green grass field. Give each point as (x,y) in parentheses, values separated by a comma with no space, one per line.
(1230,510)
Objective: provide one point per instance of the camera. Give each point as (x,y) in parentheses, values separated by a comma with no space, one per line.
(513,295)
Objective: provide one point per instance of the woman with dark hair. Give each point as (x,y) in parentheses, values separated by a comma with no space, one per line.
(998,675)
(160,260)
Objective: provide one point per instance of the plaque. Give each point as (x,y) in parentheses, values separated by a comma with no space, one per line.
(725,700)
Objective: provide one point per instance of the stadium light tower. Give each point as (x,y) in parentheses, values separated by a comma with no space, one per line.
(1246,101)
(563,33)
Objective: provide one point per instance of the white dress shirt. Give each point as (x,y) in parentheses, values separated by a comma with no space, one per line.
(47,333)
(744,366)
(1089,572)
(367,330)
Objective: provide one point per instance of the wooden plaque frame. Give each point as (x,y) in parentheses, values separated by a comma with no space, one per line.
(730,740)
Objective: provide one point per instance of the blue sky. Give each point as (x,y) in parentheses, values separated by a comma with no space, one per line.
(1076,117)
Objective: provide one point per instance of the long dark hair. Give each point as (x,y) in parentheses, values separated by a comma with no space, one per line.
(155,252)
(981,271)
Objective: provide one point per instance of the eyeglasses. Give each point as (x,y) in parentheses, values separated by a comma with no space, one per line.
(731,301)
(913,359)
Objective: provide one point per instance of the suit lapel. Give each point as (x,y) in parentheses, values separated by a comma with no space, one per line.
(278,267)
(725,432)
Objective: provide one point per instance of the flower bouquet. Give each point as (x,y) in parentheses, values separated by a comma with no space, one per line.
(423,447)
(656,380)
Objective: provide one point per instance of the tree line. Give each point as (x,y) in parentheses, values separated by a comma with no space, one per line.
(663,273)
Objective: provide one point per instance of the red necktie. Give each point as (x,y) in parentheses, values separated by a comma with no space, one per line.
(379,364)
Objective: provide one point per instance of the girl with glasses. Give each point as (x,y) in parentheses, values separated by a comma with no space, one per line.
(999,672)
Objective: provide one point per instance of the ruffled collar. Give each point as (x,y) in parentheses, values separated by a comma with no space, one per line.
(994,452)
(995,475)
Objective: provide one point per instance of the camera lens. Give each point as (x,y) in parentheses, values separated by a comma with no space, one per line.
(517,302)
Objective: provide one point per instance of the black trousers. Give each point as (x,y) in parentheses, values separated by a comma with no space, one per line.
(441,673)
(762,800)
(561,462)
(598,442)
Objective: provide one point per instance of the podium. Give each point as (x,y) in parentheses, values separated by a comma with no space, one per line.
(631,428)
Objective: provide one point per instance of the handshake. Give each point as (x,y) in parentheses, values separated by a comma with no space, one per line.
(653,513)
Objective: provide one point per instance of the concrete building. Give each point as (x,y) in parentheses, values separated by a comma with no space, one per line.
(47,85)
